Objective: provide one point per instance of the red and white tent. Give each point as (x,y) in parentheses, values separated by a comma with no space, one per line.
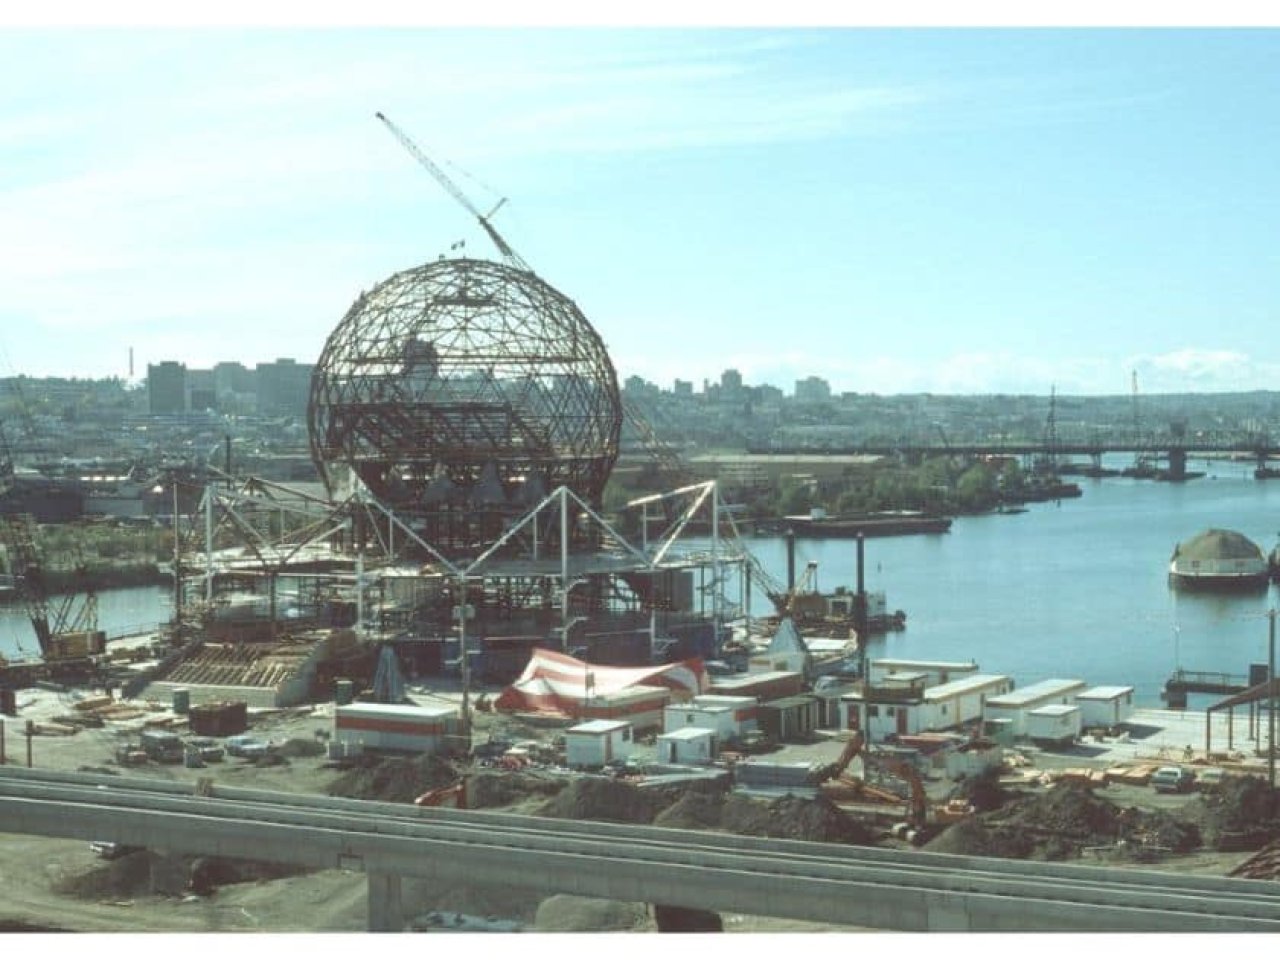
(557,683)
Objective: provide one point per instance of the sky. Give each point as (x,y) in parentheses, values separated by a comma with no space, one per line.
(896,210)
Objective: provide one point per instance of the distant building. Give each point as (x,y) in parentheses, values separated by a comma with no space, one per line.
(731,382)
(284,388)
(201,392)
(812,390)
(167,387)
(682,388)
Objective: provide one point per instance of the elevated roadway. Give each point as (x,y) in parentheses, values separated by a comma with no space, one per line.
(824,883)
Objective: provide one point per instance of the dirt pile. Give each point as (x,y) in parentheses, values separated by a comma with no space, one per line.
(1234,815)
(490,789)
(1059,824)
(148,873)
(791,818)
(395,780)
(601,798)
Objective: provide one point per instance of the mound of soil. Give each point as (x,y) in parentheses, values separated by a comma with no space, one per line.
(491,789)
(1235,815)
(1059,824)
(695,810)
(791,818)
(602,798)
(147,873)
(984,792)
(395,780)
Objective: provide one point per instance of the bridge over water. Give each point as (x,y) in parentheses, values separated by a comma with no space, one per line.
(1172,448)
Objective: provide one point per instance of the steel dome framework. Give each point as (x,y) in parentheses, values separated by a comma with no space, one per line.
(463,391)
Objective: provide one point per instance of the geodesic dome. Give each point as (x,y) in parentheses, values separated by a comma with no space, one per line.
(466,385)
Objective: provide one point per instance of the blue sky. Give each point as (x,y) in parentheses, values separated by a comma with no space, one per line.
(896,210)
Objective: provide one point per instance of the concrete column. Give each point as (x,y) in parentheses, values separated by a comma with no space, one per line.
(386,914)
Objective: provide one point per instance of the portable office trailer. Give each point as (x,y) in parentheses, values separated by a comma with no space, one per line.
(1017,703)
(938,671)
(1105,706)
(961,701)
(394,726)
(688,745)
(1056,723)
(592,744)
(718,717)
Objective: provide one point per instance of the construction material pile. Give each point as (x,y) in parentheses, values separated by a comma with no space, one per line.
(1060,824)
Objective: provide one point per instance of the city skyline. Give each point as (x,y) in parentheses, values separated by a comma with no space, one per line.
(894,211)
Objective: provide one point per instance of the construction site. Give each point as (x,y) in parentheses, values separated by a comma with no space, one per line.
(456,622)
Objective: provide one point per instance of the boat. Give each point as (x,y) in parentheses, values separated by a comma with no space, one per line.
(1219,560)
(886,523)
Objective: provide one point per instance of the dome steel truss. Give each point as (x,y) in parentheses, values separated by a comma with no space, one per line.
(461,392)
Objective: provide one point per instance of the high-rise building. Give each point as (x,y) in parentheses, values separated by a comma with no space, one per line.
(812,390)
(167,387)
(284,388)
(731,382)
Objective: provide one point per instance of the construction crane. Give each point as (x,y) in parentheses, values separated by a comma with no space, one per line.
(508,255)
(62,623)
(838,785)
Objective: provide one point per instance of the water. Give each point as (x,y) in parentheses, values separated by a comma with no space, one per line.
(1076,590)
(130,610)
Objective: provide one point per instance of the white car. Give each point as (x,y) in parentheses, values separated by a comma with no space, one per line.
(243,745)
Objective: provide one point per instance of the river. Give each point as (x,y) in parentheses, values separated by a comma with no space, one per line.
(1077,589)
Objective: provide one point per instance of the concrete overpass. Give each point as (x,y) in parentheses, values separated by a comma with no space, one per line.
(824,883)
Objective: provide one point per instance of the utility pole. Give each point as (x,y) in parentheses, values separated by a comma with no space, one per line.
(1271,707)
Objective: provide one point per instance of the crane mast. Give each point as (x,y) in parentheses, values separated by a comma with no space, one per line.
(508,255)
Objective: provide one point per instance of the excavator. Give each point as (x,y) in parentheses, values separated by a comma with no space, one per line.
(840,786)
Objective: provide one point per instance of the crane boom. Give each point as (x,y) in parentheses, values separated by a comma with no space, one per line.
(504,248)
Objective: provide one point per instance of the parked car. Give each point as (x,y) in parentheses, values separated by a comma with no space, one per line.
(1210,777)
(208,749)
(243,745)
(1172,780)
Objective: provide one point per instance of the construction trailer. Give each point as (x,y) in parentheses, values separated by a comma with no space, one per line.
(728,717)
(395,727)
(1016,704)
(593,744)
(903,703)
(1054,724)
(937,671)
(1105,706)
(688,745)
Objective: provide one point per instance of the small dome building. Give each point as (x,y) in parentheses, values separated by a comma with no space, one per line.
(1218,559)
